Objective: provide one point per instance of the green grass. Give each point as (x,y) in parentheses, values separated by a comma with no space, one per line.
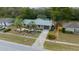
(34,35)
(72,38)
(60,47)
(17,39)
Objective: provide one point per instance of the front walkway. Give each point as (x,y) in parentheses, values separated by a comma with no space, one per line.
(41,39)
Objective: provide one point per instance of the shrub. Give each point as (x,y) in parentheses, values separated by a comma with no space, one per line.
(7,30)
(69,32)
(51,36)
(39,31)
(63,30)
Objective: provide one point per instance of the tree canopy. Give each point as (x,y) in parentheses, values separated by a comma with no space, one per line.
(58,13)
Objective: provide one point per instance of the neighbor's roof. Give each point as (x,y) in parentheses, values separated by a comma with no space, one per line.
(39,21)
(6,19)
(71,25)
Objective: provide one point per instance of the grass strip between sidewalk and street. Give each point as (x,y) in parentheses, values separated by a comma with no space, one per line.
(60,47)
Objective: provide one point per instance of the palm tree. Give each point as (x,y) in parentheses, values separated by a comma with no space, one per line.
(18,23)
(32,25)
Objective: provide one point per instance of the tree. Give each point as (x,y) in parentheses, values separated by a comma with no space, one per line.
(32,25)
(41,16)
(43,12)
(18,23)
(67,13)
(60,14)
(28,13)
(56,15)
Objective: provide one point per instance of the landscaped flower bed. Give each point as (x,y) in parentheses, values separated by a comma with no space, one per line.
(25,33)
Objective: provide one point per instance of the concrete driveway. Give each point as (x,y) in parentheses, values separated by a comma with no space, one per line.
(41,39)
(10,46)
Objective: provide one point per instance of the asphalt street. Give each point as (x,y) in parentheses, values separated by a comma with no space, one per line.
(10,46)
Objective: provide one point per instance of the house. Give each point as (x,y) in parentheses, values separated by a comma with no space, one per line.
(72,26)
(5,21)
(41,23)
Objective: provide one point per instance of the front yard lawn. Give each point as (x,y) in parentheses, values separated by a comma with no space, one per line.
(17,39)
(60,47)
(72,38)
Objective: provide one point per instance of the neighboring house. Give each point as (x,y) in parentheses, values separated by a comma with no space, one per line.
(41,23)
(6,21)
(72,26)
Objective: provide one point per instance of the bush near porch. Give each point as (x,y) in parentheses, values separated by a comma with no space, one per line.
(51,36)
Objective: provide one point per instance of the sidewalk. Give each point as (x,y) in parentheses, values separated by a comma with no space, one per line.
(67,43)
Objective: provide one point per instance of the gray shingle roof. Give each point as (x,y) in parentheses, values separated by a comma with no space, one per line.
(71,25)
(6,19)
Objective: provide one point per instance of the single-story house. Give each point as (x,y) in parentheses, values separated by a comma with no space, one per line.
(72,26)
(41,23)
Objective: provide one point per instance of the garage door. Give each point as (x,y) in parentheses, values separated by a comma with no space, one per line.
(46,27)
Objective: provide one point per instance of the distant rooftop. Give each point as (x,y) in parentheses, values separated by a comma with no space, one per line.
(72,25)
(6,19)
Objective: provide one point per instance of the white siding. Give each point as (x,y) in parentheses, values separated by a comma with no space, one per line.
(76,30)
(69,29)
